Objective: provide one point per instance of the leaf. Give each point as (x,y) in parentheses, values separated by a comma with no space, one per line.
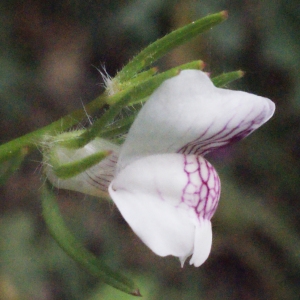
(77,251)
(172,40)
(226,78)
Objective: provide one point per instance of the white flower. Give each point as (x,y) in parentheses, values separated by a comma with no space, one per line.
(163,187)
(159,180)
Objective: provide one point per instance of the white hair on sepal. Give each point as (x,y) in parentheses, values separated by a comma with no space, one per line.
(89,117)
(50,141)
(95,179)
(110,85)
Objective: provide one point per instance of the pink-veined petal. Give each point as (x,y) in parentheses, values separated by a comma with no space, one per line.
(164,198)
(188,114)
(93,181)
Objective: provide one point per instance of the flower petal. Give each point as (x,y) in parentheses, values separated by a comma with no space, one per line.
(202,244)
(188,114)
(95,180)
(164,197)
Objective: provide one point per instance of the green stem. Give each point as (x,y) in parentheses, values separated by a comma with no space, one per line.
(9,167)
(77,251)
(29,141)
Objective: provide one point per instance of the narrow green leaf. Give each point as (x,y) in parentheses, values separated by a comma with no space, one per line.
(172,40)
(77,251)
(226,78)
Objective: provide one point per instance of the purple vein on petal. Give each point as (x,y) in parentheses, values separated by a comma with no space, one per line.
(102,179)
(202,189)
(225,136)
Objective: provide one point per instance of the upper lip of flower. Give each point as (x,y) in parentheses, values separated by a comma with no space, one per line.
(188,110)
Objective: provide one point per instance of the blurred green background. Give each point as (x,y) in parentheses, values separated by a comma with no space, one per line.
(49,55)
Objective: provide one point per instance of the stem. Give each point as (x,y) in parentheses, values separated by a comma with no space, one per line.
(29,141)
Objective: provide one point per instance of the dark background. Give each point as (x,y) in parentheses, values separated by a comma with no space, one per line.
(49,55)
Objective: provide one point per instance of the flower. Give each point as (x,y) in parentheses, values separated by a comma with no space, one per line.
(163,186)
(159,180)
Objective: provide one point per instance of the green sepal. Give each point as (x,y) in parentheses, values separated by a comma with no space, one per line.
(145,88)
(226,78)
(140,77)
(172,40)
(71,169)
(73,247)
(119,128)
